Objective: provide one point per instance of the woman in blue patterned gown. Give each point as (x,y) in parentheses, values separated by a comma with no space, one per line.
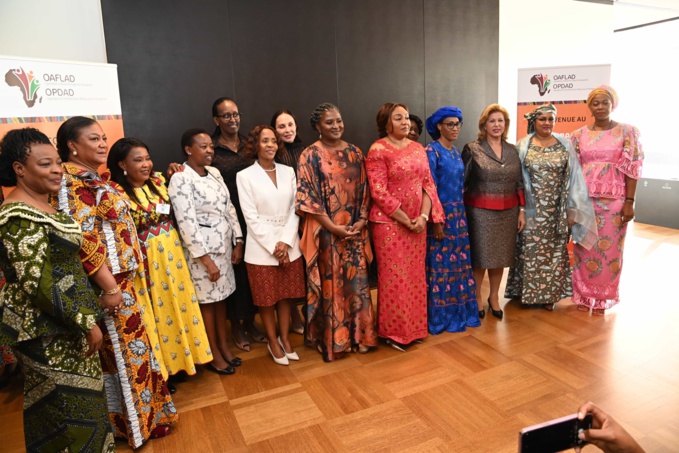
(451,301)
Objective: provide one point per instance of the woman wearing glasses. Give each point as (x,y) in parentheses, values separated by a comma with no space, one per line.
(404,196)
(452,303)
(229,160)
(494,200)
(556,200)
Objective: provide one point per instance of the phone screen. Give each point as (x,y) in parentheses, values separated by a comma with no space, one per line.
(554,435)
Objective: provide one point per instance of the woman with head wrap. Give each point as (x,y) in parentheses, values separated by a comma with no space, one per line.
(611,158)
(494,200)
(404,196)
(556,200)
(452,305)
(333,199)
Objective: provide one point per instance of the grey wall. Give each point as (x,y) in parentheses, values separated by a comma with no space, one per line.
(176,57)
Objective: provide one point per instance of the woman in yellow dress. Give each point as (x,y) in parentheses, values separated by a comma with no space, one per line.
(164,288)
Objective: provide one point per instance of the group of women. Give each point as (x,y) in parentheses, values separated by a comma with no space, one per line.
(147,272)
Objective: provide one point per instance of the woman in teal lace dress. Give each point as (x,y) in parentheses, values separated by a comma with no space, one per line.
(48,310)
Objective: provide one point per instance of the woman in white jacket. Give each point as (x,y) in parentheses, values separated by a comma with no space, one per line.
(272,255)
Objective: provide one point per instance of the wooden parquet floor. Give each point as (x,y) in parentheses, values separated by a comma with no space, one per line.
(465,392)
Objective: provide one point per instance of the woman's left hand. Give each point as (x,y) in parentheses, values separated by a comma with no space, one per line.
(237,254)
(358,226)
(419,224)
(281,252)
(437,231)
(627,213)
(94,340)
(522,221)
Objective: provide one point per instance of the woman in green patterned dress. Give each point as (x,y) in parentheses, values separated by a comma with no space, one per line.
(48,310)
(557,206)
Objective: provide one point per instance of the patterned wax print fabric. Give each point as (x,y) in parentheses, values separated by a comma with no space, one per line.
(339,311)
(164,288)
(7,356)
(607,157)
(208,224)
(136,393)
(48,306)
(397,179)
(451,289)
(542,274)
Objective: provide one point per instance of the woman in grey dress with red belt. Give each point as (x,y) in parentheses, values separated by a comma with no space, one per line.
(493,201)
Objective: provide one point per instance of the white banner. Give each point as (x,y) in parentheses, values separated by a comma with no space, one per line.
(567,87)
(42,88)
(562,83)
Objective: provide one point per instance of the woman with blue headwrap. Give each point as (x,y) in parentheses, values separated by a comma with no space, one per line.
(556,200)
(451,291)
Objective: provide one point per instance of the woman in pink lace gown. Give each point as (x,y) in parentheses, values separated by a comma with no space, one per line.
(611,158)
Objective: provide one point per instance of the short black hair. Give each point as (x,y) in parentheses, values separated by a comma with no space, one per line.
(418,122)
(187,137)
(15,147)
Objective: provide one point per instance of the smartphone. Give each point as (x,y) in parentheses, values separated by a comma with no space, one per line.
(555,435)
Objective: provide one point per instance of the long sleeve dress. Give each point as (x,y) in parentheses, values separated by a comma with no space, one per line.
(164,287)
(239,305)
(339,311)
(397,178)
(47,307)
(607,157)
(209,225)
(137,395)
(451,290)
(555,193)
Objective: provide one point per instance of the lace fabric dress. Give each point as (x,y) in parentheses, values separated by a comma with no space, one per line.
(451,290)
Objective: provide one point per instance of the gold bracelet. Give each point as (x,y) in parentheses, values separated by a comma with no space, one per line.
(109,292)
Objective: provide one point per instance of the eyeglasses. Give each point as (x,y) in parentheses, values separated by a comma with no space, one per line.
(453,124)
(228,116)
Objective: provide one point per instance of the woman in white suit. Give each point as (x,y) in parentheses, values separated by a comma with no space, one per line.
(213,240)
(272,255)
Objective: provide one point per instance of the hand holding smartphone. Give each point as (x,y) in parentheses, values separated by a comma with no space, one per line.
(555,435)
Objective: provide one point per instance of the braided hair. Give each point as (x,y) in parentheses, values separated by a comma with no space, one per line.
(318,112)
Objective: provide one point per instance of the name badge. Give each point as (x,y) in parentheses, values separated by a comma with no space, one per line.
(162,208)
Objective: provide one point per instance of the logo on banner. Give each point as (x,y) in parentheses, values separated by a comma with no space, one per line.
(27,82)
(542,81)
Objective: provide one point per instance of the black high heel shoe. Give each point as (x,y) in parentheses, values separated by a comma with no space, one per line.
(497,313)
(482,313)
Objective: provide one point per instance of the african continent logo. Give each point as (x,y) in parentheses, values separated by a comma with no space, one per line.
(28,83)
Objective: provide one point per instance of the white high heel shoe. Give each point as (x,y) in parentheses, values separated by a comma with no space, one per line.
(289,355)
(282,361)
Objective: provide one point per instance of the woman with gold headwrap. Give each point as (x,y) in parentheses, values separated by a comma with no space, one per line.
(556,200)
(611,158)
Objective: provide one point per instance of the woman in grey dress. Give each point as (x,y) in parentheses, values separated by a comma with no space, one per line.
(213,240)
(494,202)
